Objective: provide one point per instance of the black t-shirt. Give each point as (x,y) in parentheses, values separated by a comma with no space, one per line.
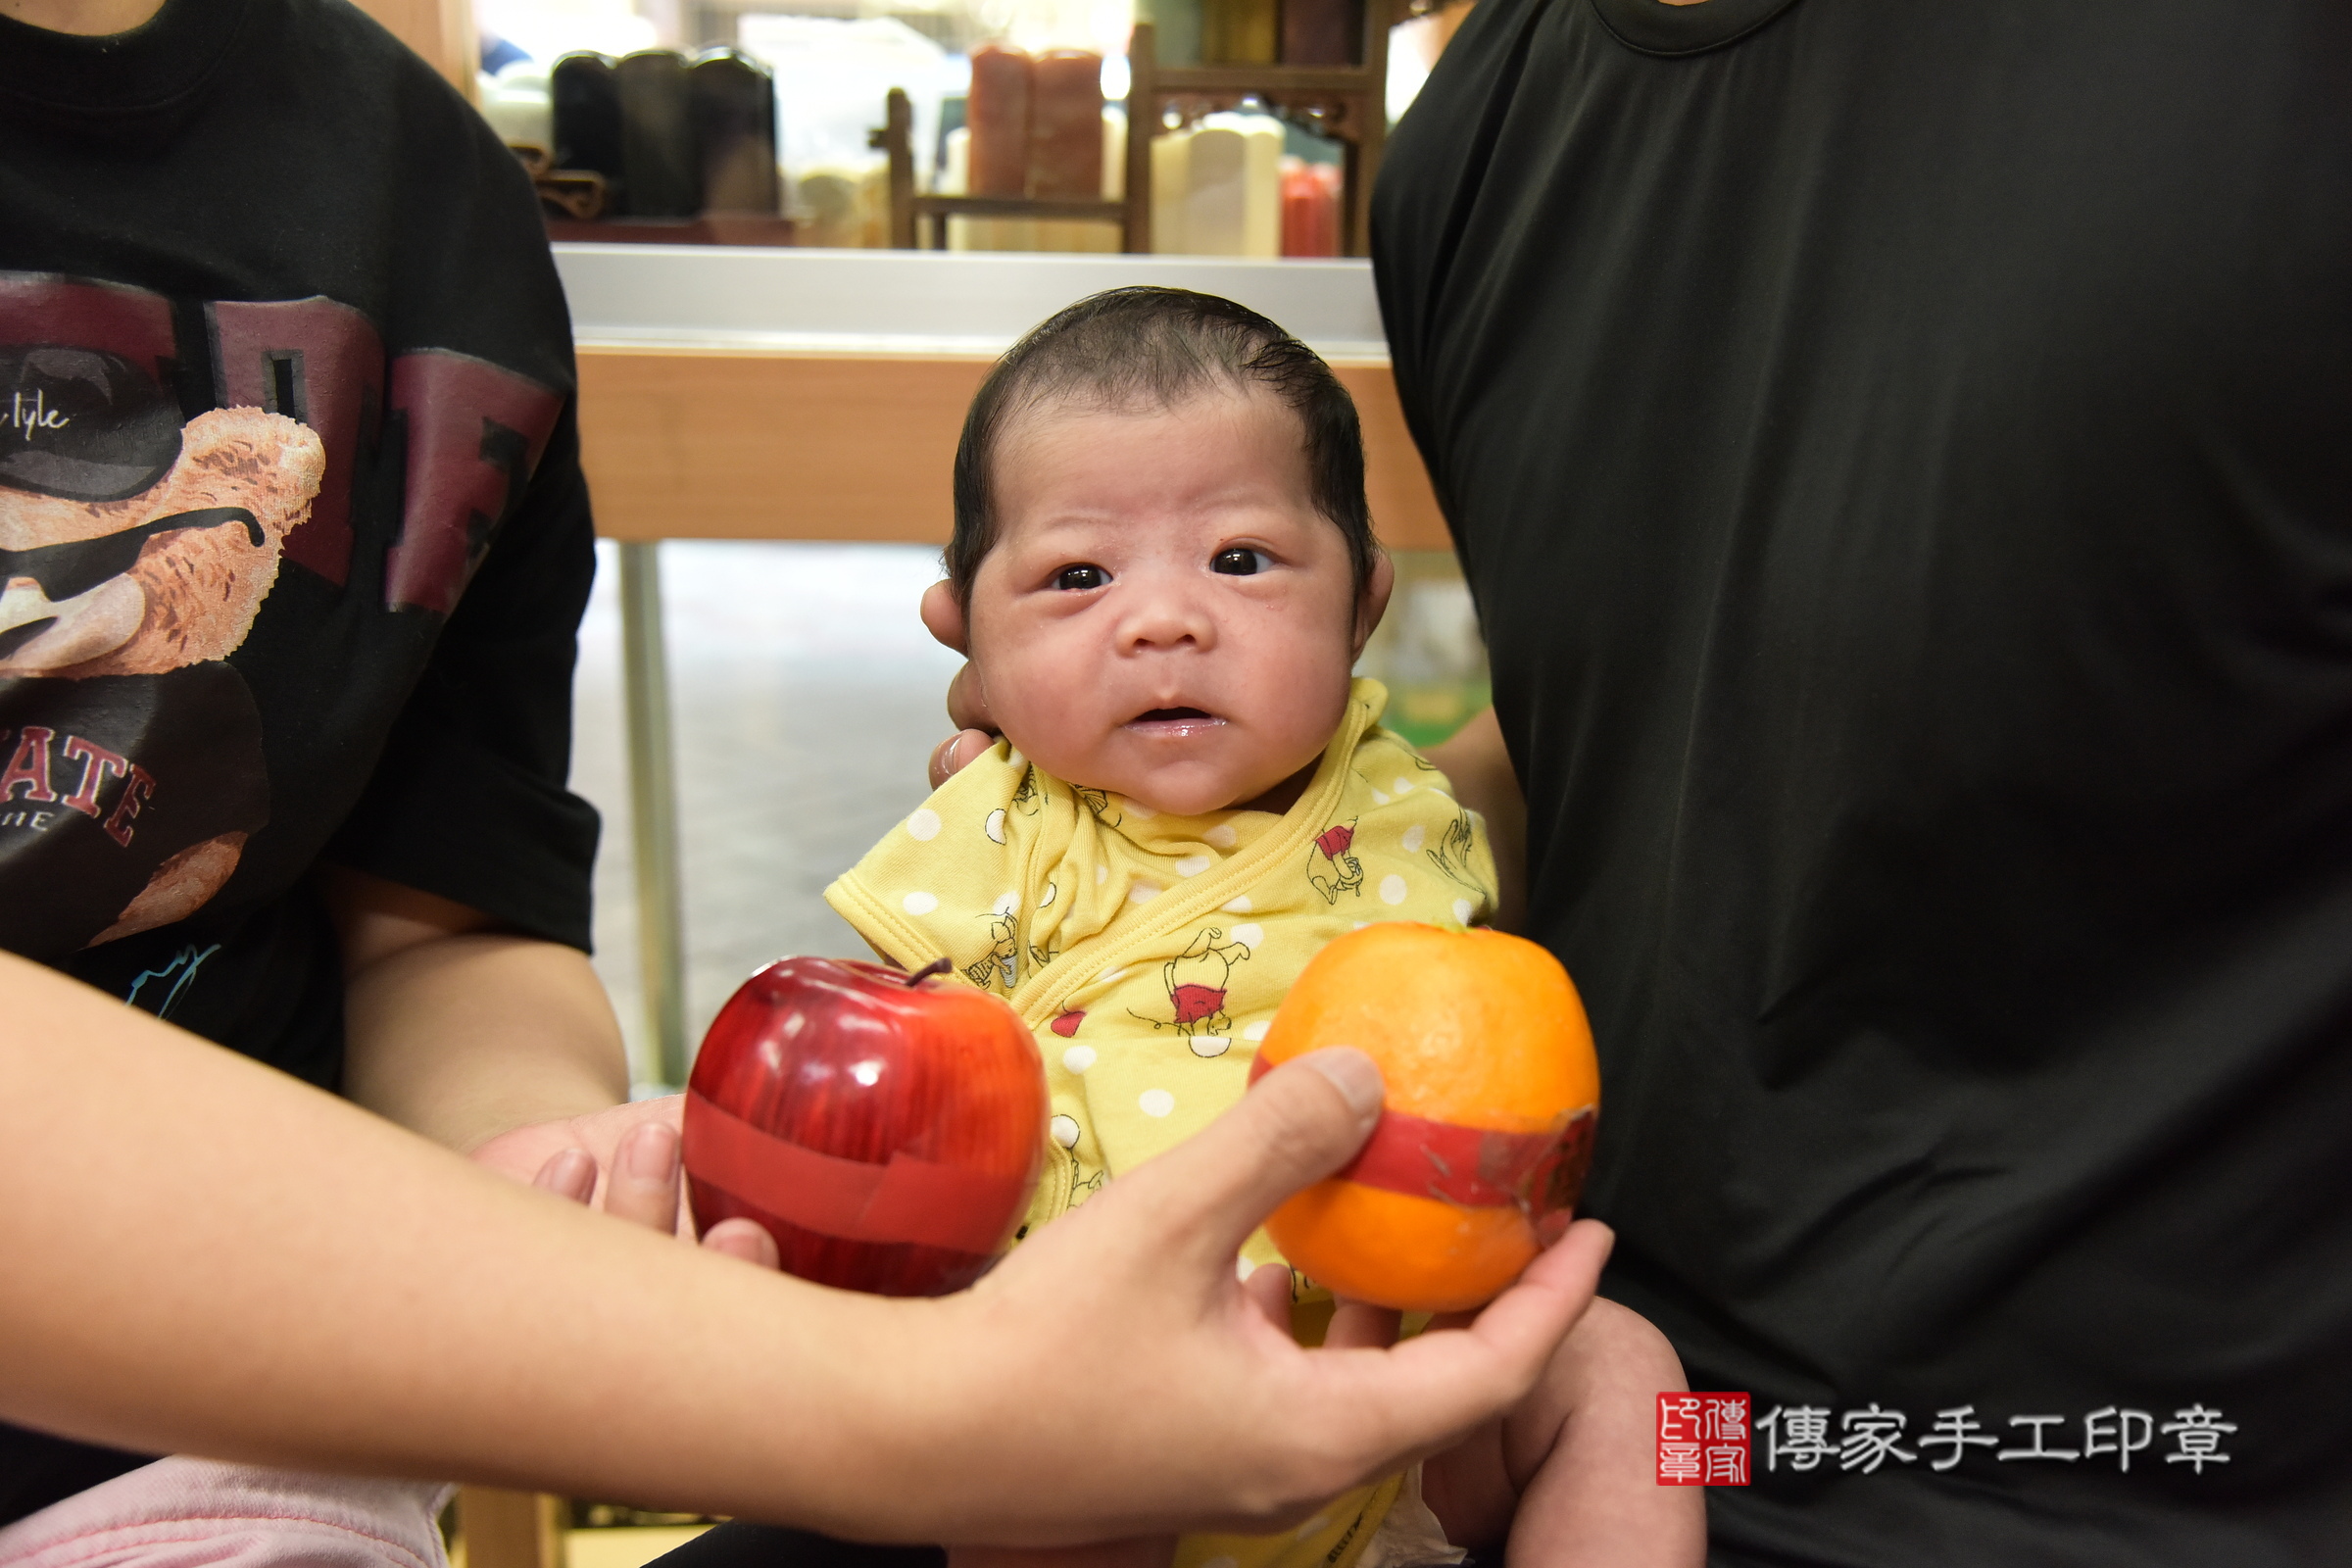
(293,538)
(1903,455)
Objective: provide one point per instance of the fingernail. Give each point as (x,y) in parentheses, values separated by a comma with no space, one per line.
(1354,1075)
(650,1152)
(571,1173)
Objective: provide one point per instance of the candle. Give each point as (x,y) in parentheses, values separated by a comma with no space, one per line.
(734,105)
(660,178)
(1233,203)
(1311,208)
(998,113)
(585,106)
(1066,125)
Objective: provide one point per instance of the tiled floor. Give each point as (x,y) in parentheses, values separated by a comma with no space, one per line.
(807,698)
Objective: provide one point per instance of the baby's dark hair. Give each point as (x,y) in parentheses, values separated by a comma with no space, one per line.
(1154,347)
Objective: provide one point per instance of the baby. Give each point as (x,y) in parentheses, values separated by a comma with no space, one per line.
(1162,571)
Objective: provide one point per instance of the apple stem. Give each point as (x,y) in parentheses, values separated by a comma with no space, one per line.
(935,967)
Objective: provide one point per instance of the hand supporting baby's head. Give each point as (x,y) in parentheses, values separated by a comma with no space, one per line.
(1163,565)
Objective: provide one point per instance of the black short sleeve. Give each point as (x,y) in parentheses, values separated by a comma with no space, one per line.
(468,798)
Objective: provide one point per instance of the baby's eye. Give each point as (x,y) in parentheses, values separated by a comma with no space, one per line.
(1078,579)
(1238,563)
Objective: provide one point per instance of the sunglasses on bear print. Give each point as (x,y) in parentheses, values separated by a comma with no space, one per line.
(68,570)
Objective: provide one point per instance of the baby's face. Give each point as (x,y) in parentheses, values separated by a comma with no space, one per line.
(1165,613)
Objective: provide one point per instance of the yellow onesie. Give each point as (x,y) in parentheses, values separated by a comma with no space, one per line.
(1149,954)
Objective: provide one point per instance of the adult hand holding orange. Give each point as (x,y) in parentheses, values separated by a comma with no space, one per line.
(1493,1093)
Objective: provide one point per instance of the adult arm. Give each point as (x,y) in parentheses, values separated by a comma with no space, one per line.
(462,1030)
(504,1046)
(207,1257)
(1478,765)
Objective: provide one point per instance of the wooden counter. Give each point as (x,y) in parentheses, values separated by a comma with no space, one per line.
(750,444)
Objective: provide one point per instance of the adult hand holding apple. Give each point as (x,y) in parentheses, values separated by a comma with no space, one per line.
(1117,1352)
(623,1160)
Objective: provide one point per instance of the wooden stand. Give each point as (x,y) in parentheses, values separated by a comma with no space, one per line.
(1133,215)
(1346,103)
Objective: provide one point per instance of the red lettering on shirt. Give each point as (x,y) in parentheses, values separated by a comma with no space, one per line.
(134,795)
(474,436)
(30,765)
(319,362)
(129,321)
(98,765)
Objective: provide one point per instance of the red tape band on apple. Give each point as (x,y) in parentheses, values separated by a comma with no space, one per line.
(1477,1167)
(905,1201)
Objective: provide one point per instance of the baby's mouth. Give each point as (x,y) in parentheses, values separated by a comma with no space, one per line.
(1174,722)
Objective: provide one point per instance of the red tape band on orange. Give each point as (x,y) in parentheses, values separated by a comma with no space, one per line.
(905,1201)
(1477,1167)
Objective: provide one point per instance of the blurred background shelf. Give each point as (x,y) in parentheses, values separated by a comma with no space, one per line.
(682,110)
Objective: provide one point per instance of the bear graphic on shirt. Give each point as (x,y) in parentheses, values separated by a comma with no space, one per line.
(1199,980)
(1330,869)
(135,551)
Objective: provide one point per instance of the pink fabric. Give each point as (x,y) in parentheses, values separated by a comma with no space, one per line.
(199,1513)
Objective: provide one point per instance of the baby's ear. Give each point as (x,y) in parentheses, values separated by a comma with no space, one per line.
(943,617)
(1369,606)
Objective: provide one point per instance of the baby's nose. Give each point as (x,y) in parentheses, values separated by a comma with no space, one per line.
(1170,620)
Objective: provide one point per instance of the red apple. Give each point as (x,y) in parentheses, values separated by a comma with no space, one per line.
(887,1129)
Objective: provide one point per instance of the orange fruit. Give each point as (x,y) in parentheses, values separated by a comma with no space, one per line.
(1486,1128)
